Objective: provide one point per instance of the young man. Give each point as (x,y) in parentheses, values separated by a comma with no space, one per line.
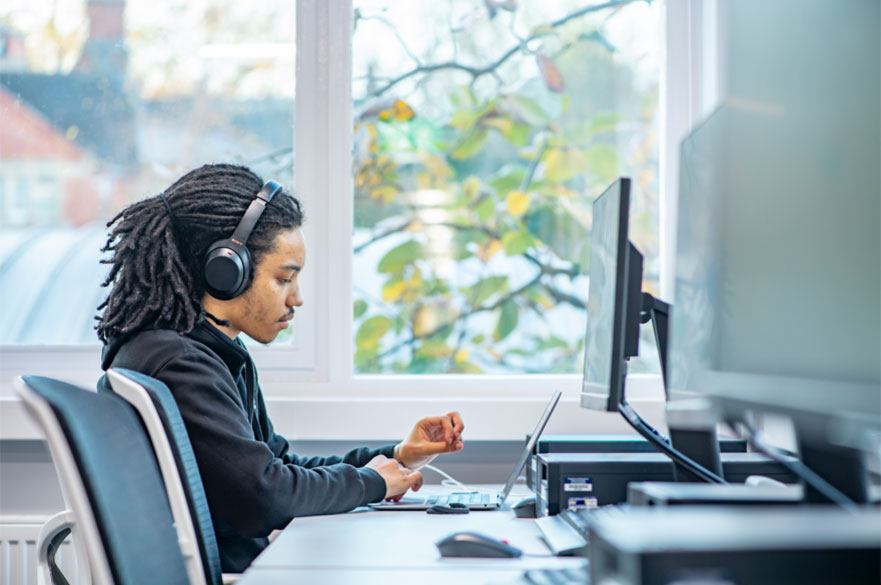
(187,276)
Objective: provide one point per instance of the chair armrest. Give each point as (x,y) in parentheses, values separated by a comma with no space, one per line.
(53,533)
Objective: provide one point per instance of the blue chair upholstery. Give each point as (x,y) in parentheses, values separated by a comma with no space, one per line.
(121,481)
(188,469)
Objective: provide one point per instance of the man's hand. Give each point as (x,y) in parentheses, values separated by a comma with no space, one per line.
(398,479)
(431,436)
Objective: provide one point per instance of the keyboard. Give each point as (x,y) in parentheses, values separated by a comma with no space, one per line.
(472,498)
(566,533)
(556,577)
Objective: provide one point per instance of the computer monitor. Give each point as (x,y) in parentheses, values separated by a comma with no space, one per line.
(605,365)
(616,308)
(778,277)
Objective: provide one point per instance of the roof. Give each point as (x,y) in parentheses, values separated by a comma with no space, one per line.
(27,135)
(92,108)
(52,279)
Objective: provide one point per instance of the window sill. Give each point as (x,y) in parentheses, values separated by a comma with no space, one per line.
(386,418)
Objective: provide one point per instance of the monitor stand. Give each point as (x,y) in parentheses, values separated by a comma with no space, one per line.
(842,467)
(691,424)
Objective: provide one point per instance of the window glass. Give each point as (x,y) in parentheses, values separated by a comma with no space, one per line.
(105,102)
(483,132)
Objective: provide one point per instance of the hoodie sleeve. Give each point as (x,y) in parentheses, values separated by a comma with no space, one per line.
(358,457)
(254,486)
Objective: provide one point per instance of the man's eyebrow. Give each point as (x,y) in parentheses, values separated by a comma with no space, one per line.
(292,267)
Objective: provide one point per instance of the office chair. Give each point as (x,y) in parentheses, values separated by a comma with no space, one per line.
(155,405)
(110,481)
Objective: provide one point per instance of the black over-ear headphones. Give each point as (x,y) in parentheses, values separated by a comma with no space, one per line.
(226,267)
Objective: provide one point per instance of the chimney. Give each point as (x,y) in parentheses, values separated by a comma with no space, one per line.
(104,53)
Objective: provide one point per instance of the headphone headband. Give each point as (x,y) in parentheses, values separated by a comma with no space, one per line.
(254,211)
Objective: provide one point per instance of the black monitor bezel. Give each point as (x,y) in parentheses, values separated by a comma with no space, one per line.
(610,401)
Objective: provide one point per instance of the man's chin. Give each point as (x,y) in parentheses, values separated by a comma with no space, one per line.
(264,338)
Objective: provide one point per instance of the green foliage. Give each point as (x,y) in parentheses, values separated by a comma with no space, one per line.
(360,308)
(485,288)
(398,258)
(503,179)
(507,320)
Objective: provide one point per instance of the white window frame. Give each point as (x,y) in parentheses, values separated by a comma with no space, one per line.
(311,388)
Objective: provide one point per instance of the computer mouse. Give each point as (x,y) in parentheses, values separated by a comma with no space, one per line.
(525,508)
(473,544)
(451,508)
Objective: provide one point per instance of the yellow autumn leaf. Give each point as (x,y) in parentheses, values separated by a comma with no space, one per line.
(391,294)
(471,186)
(563,164)
(517,202)
(385,192)
(438,168)
(503,125)
(424,321)
(490,250)
(415,226)
(402,111)
(545,302)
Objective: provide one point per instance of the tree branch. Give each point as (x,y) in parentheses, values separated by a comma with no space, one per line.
(476,72)
(384,234)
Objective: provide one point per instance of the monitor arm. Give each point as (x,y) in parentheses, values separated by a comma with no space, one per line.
(658,312)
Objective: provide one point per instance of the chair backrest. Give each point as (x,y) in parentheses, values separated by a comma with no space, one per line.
(111,480)
(158,411)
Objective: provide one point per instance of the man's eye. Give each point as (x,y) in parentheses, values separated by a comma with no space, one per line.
(284,280)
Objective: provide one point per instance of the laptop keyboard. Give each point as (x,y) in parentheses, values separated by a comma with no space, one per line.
(577,519)
(556,577)
(469,499)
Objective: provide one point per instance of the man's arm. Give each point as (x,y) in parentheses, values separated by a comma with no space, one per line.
(246,484)
(281,447)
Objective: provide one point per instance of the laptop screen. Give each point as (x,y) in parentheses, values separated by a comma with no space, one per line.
(530,444)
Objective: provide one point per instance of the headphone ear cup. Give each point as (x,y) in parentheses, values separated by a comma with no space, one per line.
(226,270)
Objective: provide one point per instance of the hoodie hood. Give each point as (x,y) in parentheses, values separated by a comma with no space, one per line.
(231,351)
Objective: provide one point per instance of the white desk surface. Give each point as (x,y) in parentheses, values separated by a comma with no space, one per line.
(477,576)
(368,546)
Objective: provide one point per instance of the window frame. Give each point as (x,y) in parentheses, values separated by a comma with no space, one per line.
(313,382)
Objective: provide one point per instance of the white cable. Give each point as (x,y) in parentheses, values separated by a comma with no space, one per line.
(450,481)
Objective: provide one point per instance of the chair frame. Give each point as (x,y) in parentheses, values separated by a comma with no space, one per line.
(135,394)
(72,487)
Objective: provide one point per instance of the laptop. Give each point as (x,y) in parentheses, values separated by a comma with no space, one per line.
(478,500)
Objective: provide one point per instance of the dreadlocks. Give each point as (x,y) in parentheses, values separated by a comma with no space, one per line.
(156,247)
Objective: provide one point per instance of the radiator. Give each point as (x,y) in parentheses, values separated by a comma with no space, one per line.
(18,551)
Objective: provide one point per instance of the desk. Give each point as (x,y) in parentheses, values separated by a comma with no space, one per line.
(368,546)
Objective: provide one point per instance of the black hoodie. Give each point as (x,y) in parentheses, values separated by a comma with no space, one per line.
(253,484)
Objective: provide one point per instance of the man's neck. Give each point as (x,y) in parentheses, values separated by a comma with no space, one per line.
(222,325)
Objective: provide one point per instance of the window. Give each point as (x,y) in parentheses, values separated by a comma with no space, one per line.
(482,134)
(106,102)
(214,80)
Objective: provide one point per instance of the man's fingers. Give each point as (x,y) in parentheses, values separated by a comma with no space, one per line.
(458,425)
(447,425)
(436,447)
(413,479)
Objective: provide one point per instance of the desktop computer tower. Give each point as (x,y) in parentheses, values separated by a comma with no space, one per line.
(724,545)
(711,494)
(605,443)
(572,481)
